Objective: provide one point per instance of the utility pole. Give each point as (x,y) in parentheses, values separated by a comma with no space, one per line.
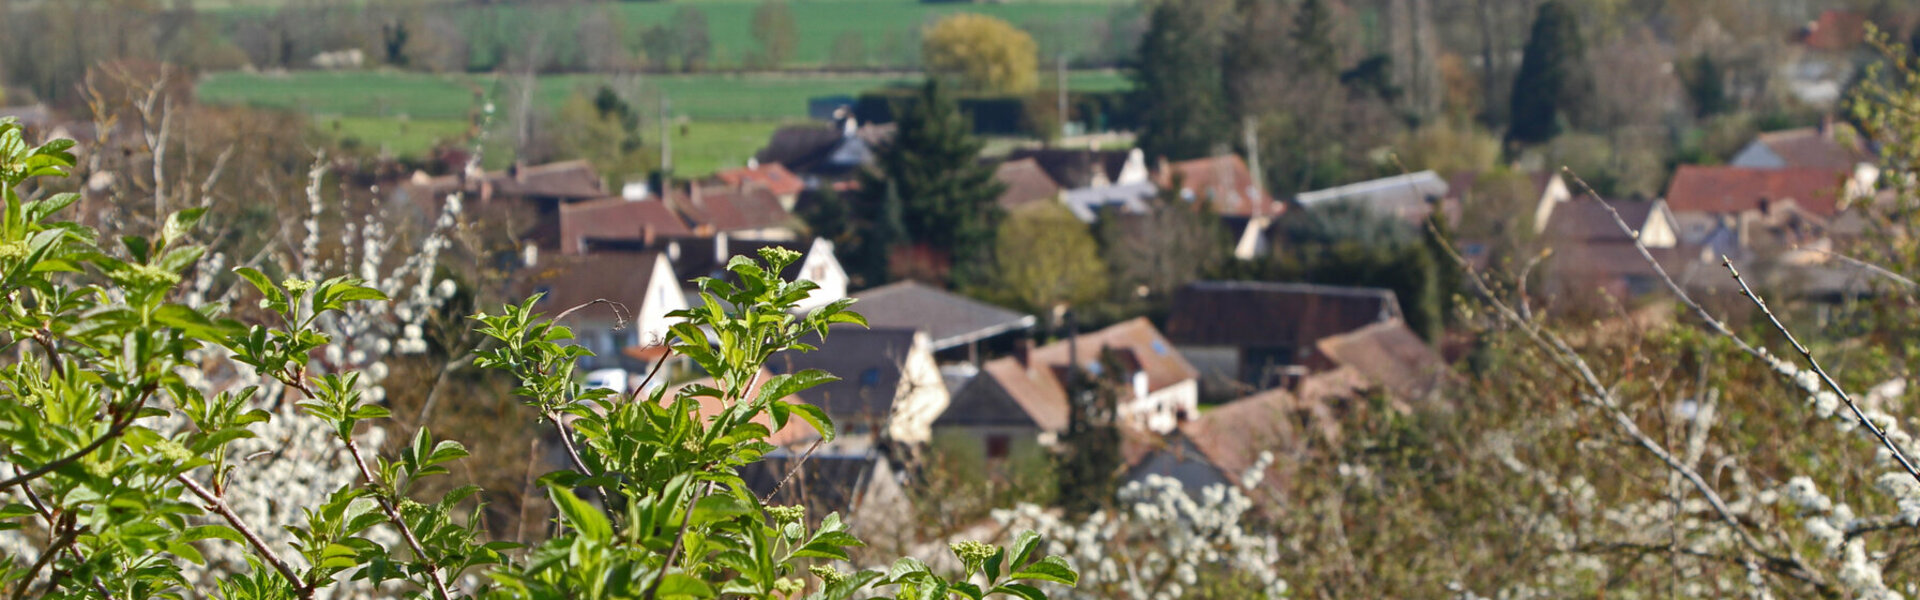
(1064,121)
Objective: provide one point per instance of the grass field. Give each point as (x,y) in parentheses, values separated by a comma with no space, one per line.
(886,29)
(728,117)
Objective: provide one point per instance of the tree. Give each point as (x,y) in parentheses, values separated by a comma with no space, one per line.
(1549,74)
(1706,86)
(947,195)
(1151,255)
(605,131)
(1312,37)
(694,45)
(1045,258)
(773,28)
(981,53)
(1088,463)
(1177,85)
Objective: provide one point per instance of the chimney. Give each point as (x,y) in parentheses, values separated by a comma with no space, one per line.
(1023,350)
(1825,128)
(514,170)
(720,254)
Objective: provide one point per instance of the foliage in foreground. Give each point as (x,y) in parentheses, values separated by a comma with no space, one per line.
(116,464)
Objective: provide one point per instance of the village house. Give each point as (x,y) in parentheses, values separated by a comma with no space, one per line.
(1026,184)
(747,213)
(1591,254)
(696,257)
(773,177)
(956,326)
(1246,336)
(822,154)
(889,391)
(1705,200)
(643,285)
(1021,401)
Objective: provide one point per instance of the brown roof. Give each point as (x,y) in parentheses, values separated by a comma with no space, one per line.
(1234,434)
(1136,341)
(1026,183)
(775,178)
(1035,389)
(570,281)
(718,209)
(1835,31)
(1071,168)
(617,219)
(1737,189)
(1812,147)
(1225,181)
(572,179)
(1392,357)
(1582,219)
(1266,314)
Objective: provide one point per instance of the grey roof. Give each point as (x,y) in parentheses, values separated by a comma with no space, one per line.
(868,363)
(1130,198)
(948,319)
(1386,195)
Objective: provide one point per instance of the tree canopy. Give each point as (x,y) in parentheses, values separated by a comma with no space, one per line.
(981,53)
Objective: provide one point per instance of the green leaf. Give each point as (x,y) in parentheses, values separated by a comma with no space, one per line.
(1051,568)
(815,416)
(906,567)
(717,507)
(1019,590)
(207,532)
(682,585)
(847,587)
(581,516)
(1023,545)
(276,299)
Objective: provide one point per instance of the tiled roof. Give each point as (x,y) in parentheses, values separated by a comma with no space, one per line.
(1136,340)
(1724,190)
(1233,435)
(617,219)
(1035,389)
(571,281)
(773,176)
(948,319)
(716,209)
(1267,314)
(573,179)
(1223,180)
(1025,184)
(1582,220)
(698,257)
(1073,168)
(1391,356)
(1812,147)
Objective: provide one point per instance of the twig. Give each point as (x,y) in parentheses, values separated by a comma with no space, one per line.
(1818,370)
(1867,266)
(679,542)
(59,543)
(45,513)
(219,507)
(413,542)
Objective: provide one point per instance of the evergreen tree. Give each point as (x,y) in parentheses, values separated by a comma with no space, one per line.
(1178,85)
(1087,465)
(944,194)
(1706,87)
(1547,77)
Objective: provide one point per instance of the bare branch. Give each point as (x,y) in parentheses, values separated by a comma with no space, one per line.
(219,507)
(1824,377)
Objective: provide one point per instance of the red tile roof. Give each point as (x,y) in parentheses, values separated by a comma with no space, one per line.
(1225,181)
(1233,435)
(1392,357)
(1835,31)
(1736,189)
(717,209)
(1813,147)
(617,219)
(1036,388)
(775,178)
(1136,340)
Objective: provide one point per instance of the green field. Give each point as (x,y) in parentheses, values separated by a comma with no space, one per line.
(887,29)
(726,117)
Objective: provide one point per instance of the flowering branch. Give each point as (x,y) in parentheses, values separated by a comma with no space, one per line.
(1824,377)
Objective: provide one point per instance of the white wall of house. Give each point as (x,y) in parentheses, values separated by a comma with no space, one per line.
(922,396)
(650,322)
(1159,411)
(823,268)
(1555,193)
(1659,230)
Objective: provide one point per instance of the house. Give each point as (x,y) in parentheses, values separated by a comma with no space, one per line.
(1222,445)
(1072,169)
(1246,335)
(1703,199)
(797,434)
(1408,197)
(1025,184)
(1224,182)
(889,392)
(708,257)
(1089,203)
(751,212)
(1392,359)
(866,490)
(818,153)
(642,283)
(615,221)
(1833,31)
(773,177)
(955,325)
(1816,147)
(1590,221)
(532,194)
(1022,400)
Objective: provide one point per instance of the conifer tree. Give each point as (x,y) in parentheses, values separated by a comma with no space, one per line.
(1547,76)
(946,196)
(1313,38)
(1178,85)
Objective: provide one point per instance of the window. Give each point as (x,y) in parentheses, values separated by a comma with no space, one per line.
(999,446)
(870,378)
